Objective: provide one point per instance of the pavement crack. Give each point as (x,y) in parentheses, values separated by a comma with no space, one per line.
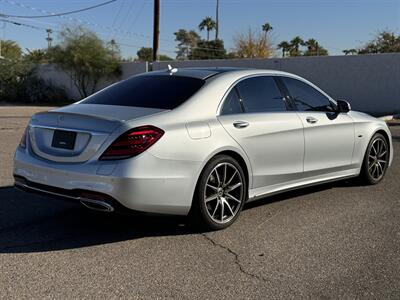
(236,256)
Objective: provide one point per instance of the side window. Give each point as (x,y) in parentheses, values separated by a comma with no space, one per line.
(261,94)
(306,97)
(232,104)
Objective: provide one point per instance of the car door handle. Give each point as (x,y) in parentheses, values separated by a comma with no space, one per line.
(240,124)
(311,120)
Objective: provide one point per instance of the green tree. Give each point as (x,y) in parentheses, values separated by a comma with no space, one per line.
(267,28)
(85,58)
(209,50)
(350,51)
(187,41)
(295,44)
(37,56)
(252,44)
(146,54)
(207,24)
(285,46)
(384,42)
(314,48)
(10,50)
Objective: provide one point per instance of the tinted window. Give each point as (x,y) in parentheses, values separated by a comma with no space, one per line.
(306,97)
(232,104)
(261,94)
(156,91)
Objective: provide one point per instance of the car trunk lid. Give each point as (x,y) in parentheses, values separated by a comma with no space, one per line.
(76,132)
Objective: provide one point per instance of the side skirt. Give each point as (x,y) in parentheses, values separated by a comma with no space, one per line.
(258,193)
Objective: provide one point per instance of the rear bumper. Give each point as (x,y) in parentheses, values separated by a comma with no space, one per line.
(145,183)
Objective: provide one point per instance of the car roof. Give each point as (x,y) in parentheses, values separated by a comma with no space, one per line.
(210,72)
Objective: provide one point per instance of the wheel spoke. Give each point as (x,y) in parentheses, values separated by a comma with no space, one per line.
(233,198)
(373,148)
(210,198)
(215,209)
(382,154)
(230,208)
(233,187)
(382,161)
(375,171)
(381,170)
(213,187)
(233,176)
(225,170)
(218,179)
(222,211)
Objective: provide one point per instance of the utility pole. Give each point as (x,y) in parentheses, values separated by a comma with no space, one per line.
(156,29)
(49,39)
(217,21)
(1,37)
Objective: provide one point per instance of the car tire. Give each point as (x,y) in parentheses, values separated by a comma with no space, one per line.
(376,160)
(220,194)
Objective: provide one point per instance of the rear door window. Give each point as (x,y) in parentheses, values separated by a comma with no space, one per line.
(232,104)
(155,91)
(261,94)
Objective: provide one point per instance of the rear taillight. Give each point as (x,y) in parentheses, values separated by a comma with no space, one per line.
(22,143)
(132,142)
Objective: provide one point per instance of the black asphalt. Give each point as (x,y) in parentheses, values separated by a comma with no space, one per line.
(339,240)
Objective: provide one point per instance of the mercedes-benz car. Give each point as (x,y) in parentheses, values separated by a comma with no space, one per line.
(198,142)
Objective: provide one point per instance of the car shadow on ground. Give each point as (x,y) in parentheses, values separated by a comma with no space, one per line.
(30,223)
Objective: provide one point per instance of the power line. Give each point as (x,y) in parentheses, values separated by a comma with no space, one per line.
(107,28)
(57,14)
(74,19)
(22,24)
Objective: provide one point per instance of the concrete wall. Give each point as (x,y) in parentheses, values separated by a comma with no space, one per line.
(371,83)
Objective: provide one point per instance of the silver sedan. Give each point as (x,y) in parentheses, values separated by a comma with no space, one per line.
(198,142)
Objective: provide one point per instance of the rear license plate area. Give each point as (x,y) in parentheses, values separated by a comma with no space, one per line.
(64,139)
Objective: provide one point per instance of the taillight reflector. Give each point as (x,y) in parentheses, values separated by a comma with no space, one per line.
(132,142)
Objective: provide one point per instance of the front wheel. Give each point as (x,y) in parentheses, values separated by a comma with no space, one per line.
(376,160)
(220,193)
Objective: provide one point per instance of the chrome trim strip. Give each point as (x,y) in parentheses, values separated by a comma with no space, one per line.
(107,207)
(69,129)
(25,186)
(83,201)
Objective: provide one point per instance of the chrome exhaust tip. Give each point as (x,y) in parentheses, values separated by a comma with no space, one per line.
(97,205)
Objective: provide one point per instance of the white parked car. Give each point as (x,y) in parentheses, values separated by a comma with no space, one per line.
(198,142)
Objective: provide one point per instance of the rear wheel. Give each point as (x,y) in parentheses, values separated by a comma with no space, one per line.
(220,193)
(376,160)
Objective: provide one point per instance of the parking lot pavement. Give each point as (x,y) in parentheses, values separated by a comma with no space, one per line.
(338,240)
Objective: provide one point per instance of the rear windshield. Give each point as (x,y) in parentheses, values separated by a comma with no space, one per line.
(156,91)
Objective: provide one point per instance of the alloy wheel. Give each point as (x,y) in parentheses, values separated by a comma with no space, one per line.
(377,158)
(224,193)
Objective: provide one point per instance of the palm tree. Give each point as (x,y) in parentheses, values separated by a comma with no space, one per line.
(295,44)
(267,28)
(208,24)
(285,46)
(312,47)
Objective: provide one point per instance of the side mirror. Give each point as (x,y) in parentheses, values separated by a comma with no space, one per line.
(343,106)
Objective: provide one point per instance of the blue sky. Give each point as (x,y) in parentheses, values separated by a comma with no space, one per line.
(337,25)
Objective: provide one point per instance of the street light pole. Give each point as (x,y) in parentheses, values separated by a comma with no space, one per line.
(156,28)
